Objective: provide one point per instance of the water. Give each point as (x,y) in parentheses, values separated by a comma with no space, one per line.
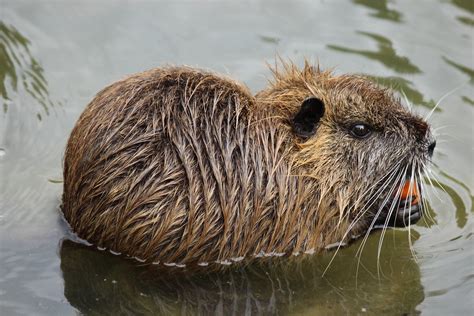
(55,55)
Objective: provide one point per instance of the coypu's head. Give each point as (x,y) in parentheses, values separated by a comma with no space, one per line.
(365,150)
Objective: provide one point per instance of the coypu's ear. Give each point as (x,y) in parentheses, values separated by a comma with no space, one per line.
(305,121)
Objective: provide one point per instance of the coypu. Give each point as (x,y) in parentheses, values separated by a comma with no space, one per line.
(182,166)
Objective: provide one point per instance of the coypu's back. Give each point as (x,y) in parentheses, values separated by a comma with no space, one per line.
(168,165)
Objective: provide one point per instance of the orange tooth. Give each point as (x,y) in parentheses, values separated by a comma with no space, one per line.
(410,185)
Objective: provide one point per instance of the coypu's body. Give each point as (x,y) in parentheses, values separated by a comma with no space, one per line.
(177,165)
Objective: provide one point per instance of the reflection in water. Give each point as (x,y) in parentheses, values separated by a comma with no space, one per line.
(19,70)
(458,182)
(405,87)
(386,54)
(461,211)
(467,100)
(466,20)
(468,7)
(97,283)
(269,39)
(428,219)
(381,9)
(461,208)
(465,70)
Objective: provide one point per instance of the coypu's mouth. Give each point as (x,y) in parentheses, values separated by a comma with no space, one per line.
(403,208)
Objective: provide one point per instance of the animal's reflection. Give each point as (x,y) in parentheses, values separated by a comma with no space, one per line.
(99,283)
(20,72)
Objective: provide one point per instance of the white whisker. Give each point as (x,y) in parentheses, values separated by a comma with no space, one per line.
(441,99)
(410,191)
(364,241)
(365,208)
(425,198)
(395,202)
(409,105)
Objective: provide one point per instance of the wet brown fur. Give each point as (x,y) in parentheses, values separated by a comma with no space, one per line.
(185,166)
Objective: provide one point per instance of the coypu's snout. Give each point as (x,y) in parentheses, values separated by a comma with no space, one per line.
(404,205)
(423,133)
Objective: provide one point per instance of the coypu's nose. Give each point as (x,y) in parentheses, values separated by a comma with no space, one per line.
(431,148)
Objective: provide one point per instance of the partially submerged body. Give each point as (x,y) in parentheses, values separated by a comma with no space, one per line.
(177,165)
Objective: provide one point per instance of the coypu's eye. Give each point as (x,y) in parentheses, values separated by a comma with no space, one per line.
(360,130)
